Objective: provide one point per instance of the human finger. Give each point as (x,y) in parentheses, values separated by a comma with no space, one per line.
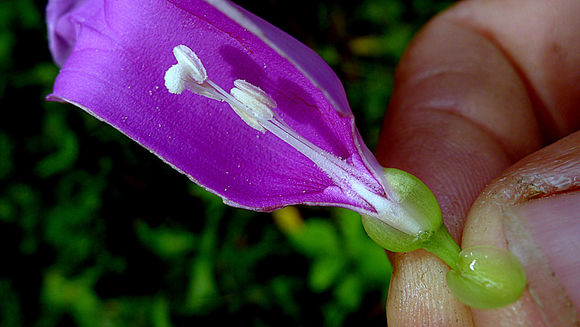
(468,103)
(533,209)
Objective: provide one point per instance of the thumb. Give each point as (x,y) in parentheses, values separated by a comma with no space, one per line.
(533,209)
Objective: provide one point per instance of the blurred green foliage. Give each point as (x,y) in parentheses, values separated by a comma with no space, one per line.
(95,231)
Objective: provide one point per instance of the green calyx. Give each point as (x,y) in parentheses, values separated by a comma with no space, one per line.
(481,277)
(417,205)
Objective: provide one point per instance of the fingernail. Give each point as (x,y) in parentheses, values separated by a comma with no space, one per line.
(544,234)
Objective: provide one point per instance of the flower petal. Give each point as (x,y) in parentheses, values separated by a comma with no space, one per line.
(114,55)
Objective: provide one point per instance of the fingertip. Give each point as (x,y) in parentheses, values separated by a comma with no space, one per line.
(418,295)
(532,209)
(552,226)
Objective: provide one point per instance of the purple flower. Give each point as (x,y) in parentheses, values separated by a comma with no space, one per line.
(237,105)
(159,71)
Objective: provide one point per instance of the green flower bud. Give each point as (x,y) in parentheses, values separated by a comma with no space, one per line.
(487,277)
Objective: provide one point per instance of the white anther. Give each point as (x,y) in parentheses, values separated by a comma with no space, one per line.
(248,118)
(174,81)
(189,73)
(190,63)
(254,98)
(255,92)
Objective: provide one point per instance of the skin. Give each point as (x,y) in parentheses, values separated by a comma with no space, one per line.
(485,112)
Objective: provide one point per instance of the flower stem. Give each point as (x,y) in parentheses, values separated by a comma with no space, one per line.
(443,246)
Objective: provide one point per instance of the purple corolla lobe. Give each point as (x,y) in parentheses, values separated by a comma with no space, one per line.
(119,63)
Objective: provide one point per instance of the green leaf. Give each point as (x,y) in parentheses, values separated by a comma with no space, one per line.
(6,163)
(324,272)
(160,313)
(349,292)
(316,238)
(165,242)
(63,144)
(202,290)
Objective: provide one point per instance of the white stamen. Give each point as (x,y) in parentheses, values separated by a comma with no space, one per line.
(173,79)
(190,63)
(253,98)
(189,73)
(204,90)
(247,114)
(254,106)
(249,119)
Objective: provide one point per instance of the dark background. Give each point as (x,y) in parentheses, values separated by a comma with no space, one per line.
(96,231)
